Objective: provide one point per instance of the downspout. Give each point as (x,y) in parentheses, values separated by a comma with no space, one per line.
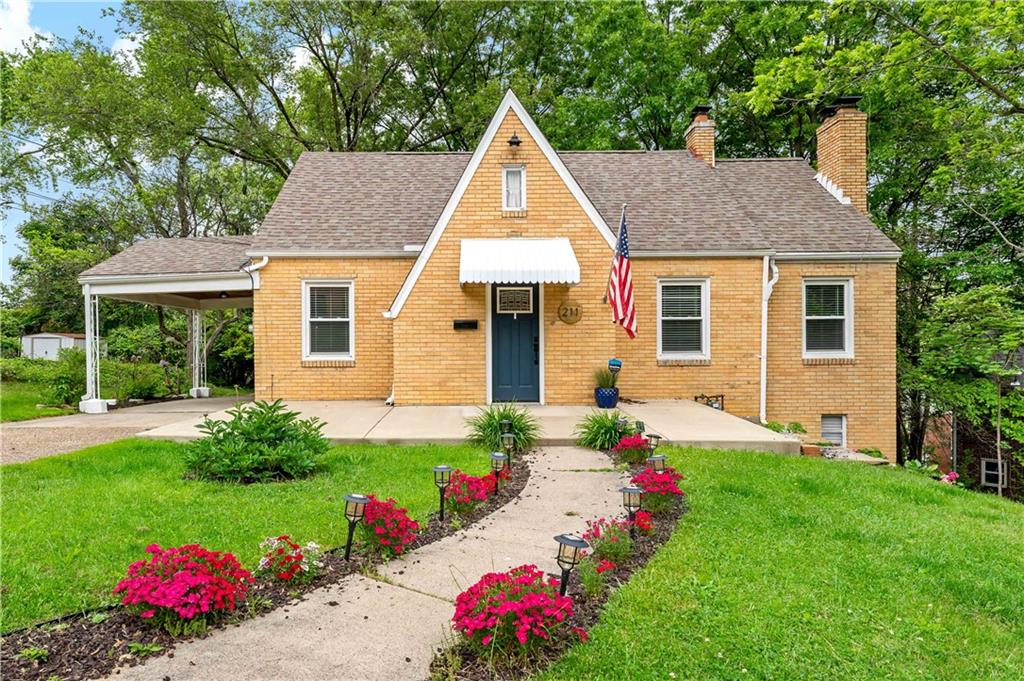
(767,285)
(250,269)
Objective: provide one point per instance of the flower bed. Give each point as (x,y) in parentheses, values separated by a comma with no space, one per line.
(493,607)
(386,528)
(184,589)
(72,641)
(661,490)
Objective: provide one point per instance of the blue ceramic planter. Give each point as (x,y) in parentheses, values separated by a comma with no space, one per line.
(606,398)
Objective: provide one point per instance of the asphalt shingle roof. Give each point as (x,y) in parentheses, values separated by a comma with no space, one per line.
(384,201)
(381,201)
(177,256)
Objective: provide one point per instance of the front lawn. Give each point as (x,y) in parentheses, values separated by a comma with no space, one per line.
(71,524)
(18,401)
(794,568)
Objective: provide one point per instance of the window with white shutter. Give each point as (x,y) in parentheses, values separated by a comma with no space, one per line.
(513,185)
(833,429)
(683,319)
(828,318)
(327,316)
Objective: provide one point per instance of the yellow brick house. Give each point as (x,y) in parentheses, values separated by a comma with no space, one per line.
(471,278)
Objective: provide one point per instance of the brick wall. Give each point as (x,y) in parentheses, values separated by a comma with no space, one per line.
(733,369)
(864,387)
(435,364)
(277,329)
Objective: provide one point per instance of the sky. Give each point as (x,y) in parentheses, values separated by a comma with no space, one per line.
(19,21)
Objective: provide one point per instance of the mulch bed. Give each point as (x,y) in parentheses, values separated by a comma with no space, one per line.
(459,663)
(91,645)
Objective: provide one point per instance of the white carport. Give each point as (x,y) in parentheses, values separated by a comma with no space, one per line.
(193,275)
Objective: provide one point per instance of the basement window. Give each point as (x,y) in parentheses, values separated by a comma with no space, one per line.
(833,429)
(992,475)
(513,188)
(327,320)
(828,318)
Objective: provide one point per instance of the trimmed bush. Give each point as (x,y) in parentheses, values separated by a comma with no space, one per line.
(485,427)
(26,369)
(260,443)
(599,430)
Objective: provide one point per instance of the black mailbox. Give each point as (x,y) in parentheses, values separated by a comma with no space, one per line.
(464,324)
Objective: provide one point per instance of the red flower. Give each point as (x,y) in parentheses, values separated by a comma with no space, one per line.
(605,566)
(582,633)
(387,527)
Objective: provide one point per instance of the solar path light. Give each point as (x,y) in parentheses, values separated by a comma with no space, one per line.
(355,508)
(442,478)
(570,553)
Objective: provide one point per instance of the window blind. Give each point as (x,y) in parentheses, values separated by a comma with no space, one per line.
(833,428)
(681,318)
(825,317)
(330,322)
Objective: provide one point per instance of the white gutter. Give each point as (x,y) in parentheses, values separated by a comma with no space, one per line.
(767,286)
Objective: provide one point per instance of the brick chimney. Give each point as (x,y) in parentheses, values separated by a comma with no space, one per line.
(843,152)
(700,136)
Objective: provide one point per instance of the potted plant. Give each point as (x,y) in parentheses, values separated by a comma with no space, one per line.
(606,394)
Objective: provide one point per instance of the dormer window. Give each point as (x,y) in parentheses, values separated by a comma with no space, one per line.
(513,185)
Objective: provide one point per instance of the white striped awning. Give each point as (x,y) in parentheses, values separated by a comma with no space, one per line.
(518,261)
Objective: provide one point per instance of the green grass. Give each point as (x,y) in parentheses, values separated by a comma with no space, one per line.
(795,568)
(71,524)
(18,402)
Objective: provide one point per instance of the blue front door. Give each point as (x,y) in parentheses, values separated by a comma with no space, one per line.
(515,338)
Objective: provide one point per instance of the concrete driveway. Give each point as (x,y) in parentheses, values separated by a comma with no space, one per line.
(34,439)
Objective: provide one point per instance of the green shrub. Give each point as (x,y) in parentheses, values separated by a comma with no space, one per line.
(134,380)
(261,443)
(599,430)
(26,369)
(67,384)
(485,427)
(604,378)
(921,468)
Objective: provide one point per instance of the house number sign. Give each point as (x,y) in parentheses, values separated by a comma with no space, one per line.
(570,312)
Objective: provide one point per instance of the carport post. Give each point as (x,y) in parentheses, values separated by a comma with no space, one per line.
(197,339)
(91,402)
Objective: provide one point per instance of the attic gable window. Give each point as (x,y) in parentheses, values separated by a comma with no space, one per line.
(513,188)
(327,320)
(828,318)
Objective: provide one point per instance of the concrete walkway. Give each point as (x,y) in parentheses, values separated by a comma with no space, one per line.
(388,627)
(37,438)
(682,422)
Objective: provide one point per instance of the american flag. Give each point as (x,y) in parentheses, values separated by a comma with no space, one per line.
(620,283)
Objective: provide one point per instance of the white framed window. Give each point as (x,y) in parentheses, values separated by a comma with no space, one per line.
(513,188)
(833,429)
(992,475)
(328,319)
(828,318)
(684,318)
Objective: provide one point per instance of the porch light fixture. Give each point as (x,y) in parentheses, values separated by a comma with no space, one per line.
(442,478)
(654,439)
(639,426)
(222,295)
(632,501)
(656,463)
(499,462)
(514,141)
(355,508)
(508,441)
(570,553)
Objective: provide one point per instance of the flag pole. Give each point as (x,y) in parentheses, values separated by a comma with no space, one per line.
(618,235)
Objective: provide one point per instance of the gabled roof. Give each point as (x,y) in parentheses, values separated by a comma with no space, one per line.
(201,255)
